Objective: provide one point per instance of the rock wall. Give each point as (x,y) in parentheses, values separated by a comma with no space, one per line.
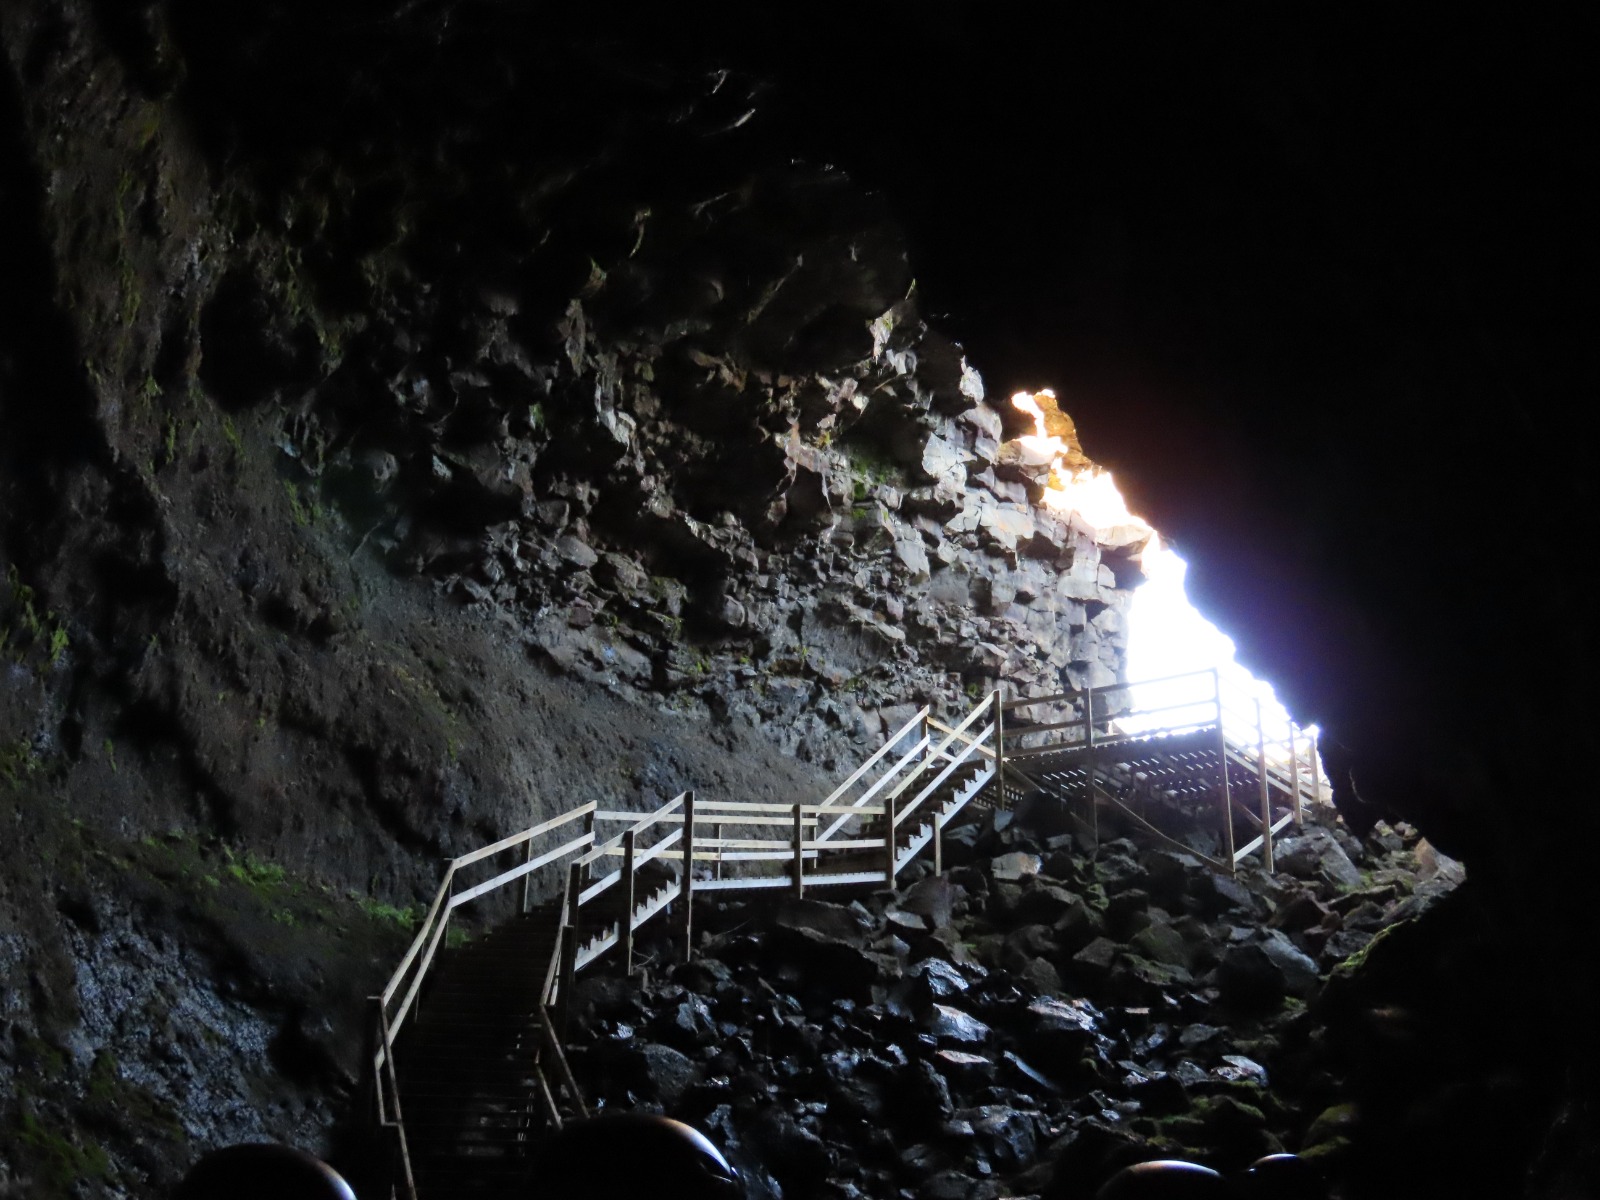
(407,430)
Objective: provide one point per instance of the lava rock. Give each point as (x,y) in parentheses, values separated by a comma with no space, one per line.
(952,1027)
(1018,865)
(1317,855)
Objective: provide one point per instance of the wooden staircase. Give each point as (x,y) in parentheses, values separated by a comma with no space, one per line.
(914,833)
(472,1062)
(468,1064)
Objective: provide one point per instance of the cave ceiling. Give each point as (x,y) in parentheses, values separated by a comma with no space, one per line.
(1315,286)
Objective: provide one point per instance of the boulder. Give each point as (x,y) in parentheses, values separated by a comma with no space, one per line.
(797,1157)
(1171,876)
(1316,855)
(1078,926)
(1299,971)
(1093,962)
(805,958)
(1045,904)
(1008,1138)
(1161,943)
(952,1027)
(1259,974)
(835,922)
(933,980)
(669,1073)
(969,1070)
(1018,865)
(934,898)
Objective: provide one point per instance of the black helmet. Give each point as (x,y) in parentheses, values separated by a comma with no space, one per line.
(1282,1177)
(633,1156)
(1164,1179)
(262,1171)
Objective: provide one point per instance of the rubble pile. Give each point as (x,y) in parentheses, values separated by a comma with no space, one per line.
(1026,1024)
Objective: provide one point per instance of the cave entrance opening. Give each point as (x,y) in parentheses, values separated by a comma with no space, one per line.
(1170,643)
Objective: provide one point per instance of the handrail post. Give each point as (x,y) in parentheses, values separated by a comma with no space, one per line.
(1088,765)
(1266,799)
(628,838)
(527,880)
(1316,773)
(372,1044)
(570,943)
(1294,777)
(686,886)
(890,834)
(1222,770)
(394,1093)
(999,744)
(796,839)
(716,834)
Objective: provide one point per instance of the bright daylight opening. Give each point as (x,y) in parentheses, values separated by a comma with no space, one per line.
(1167,635)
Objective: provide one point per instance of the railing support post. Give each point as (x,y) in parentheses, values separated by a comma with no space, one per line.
(1222,772)
(999,746)
(527,880)
(1316,774)
(716,834)
(570,943)
(796,839)
(1088,765)
(627,902)
(686,887)
(1294,776)
(890,836)
(1266,798)
(388,1074)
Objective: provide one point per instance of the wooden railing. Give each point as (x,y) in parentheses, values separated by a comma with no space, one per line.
(399,998)
(737,845)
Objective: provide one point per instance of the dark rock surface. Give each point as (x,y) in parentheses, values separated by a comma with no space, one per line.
(366,493)
(946,1079)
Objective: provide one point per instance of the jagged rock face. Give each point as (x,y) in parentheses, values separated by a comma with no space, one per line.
(383,471)
(671,410)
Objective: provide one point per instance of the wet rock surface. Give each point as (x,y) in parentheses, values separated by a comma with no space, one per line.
(1007,1057)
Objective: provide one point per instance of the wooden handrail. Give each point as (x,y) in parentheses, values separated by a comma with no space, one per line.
(900,764)
(944,774)
(518,838)
(518,871)
(1056,698)
(439,901)
(883,752)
